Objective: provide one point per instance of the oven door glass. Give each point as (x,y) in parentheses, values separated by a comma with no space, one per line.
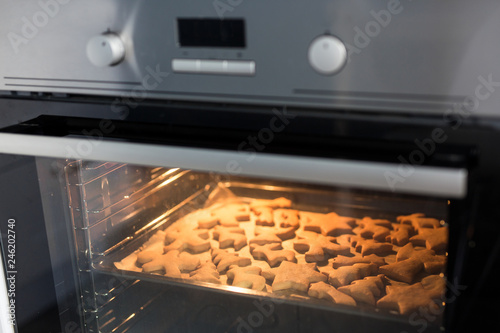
(133,248)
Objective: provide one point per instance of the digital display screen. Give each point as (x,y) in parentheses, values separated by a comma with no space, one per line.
(211,32)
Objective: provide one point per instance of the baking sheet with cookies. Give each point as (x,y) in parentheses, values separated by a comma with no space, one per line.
(298,244)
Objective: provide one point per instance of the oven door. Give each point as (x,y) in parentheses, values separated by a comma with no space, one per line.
(89,205)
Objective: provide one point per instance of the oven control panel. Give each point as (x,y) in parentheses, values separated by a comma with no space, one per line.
(383,55)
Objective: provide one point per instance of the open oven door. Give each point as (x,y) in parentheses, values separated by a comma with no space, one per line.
(84,197)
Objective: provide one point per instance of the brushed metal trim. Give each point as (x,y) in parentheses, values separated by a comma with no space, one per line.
(424,180)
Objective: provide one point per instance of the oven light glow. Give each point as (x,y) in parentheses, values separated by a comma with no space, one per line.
(168,180)
(174,170)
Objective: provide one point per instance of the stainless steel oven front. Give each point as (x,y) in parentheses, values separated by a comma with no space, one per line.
(248,167)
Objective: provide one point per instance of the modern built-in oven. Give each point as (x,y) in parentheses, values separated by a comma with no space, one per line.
(234,166)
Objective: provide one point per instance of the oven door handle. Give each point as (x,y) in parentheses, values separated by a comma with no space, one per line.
(390,177)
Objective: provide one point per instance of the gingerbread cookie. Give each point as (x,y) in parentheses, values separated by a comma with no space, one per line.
(376,229)
(287,218)
(230,215)
(263,216)
(344,275)
(172,263)
(211,221)
(418,221)
(230,237)
(291,276)
(224,259)
(340,260)
(330,224)
(323,290)
(366,290)
(370,246)
(433,264)
(318,247)
(404,271)
(272,253)
(433,239)
(401,234)
(409,299)
(247,277)
(182,239)
(274,203)
(206,272)
(267,235)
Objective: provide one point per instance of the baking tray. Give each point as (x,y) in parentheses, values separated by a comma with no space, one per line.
(353,203)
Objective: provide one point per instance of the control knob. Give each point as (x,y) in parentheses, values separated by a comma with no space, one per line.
(327,54)
(105,50)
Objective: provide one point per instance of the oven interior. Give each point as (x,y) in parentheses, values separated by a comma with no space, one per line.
(113,210)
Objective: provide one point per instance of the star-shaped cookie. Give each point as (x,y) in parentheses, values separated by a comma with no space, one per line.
(291,276)
(195,241)
(329,224)
(323,290)
(404,271)
(247,277)
(272,253)
(401,234)
(433,239)
(224,259)
(230,237)
(433,264)
(340,260)
(418,220)
(173,263)
(344,275)
(318,248)
(409,299)
(366,290)
(376,229)
(206,272)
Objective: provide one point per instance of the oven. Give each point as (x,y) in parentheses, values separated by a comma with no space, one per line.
(229,166)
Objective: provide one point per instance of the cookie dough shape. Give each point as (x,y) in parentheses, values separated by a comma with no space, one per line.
(287,218)
(230,237)
(344,275)
(195,241)
(425,295)
(370,246)
(341,260)
(318,248)
(418,221)
(323,290)
(263,216)
(272,253)
(229,215)
(375,229)
(366,290)
(173,263)
(401,234)
(247,277)
(433,239)
(206,272)
(404,271)
(433,264)
(268,235)
(274,203)
(330,224)
(224,259)
(291,276)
